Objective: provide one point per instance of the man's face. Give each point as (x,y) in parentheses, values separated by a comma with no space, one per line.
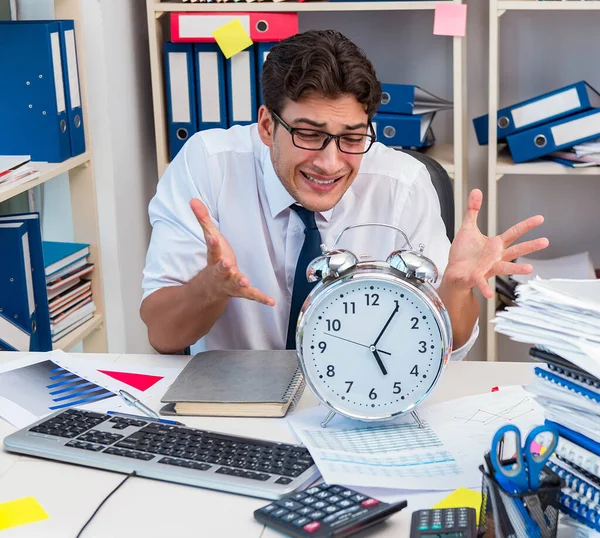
(316,179)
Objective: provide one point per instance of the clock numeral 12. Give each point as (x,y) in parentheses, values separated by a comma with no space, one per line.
(372,299)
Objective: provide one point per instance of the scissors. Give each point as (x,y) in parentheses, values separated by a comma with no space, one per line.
(524,474)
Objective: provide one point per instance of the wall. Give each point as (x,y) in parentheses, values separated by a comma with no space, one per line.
(123,138)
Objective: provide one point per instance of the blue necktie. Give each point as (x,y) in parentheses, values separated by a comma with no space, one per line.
(310,250)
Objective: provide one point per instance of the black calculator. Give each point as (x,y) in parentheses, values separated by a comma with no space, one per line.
(325,510)
(444,523)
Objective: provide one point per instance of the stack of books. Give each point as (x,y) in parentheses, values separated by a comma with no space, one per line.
(404,118)
(547,126)
(561,317)
(15,169)
(70,300)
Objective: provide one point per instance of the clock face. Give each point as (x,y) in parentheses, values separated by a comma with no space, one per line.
(371,348)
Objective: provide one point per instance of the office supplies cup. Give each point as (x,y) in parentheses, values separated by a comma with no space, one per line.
(527,514)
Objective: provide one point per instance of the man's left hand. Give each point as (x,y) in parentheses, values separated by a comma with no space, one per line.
(474,257)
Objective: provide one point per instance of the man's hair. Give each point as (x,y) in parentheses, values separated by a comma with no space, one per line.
(321,62)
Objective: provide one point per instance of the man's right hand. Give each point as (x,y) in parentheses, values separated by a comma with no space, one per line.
(221,261)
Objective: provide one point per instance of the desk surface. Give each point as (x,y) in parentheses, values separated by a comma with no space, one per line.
(150,508)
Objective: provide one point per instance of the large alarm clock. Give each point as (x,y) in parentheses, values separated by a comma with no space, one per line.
(373,337)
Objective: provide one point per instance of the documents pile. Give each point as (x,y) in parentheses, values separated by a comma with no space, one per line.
(44,293)
(562,319)
(405,115)
(213,66)
(549,125)
(573,266)
(15,169)
(70,301)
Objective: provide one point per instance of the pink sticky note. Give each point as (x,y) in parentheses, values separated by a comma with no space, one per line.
(450,19)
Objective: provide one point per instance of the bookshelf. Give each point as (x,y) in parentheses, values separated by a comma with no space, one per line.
(500,163)
(83,200)
(451,157)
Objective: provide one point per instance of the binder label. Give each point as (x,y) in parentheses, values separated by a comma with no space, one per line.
(546,108)
(178,82)
(28,275)
(240,87)
(72,69)
(191,27)
(576,129)
(58,73)
(208,75)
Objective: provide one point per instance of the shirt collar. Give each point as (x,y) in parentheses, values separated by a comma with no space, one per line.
(279,198)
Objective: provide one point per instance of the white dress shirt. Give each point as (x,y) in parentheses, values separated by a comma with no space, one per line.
(232,173)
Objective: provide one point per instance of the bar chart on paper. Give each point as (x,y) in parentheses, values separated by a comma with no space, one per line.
(43,387)
(390,455)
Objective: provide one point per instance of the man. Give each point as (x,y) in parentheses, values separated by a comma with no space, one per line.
(230,211)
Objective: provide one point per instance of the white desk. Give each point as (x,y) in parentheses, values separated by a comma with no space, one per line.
(151,508)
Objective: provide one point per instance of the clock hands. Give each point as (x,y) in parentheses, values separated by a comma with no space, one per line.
(372,348)
(386,324)
(379,361)
(358,343)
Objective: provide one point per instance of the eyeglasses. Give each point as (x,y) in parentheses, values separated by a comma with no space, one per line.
(315,140)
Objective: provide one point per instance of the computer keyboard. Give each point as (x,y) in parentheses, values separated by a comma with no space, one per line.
(168,452)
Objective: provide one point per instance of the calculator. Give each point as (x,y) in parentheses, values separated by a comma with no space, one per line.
(444,523)
(325,510)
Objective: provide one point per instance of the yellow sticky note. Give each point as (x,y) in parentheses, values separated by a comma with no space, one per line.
(20,512)
(462,497)
(232,38)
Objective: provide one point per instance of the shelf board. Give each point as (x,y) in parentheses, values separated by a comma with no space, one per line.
(298,7)
(77,335)
(444,155)
(549,5)
(506,166)
(47,172)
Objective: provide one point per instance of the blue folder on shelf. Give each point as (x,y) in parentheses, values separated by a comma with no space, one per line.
(17,300)
(33,103)
(70,71)
(42,338)
(181,94)
(211,102)
(403,131)
(548,107)
(262,51)
(550,137)
(409,99)
(72,89)
(241,88)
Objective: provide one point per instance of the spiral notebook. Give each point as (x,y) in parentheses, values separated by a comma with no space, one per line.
(236,383)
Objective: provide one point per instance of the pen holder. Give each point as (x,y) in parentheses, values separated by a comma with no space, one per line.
(533,514)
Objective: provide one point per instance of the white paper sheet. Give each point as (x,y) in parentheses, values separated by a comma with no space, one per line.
(395,454)
(444,455)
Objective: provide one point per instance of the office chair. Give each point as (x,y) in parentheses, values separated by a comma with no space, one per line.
(443,186)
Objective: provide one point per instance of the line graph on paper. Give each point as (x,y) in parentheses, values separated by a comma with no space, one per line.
(492,414)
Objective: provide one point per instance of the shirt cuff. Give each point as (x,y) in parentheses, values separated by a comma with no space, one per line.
(460,353)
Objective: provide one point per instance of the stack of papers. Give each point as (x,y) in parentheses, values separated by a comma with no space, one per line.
(16,169)
(562,318)
(559,315)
